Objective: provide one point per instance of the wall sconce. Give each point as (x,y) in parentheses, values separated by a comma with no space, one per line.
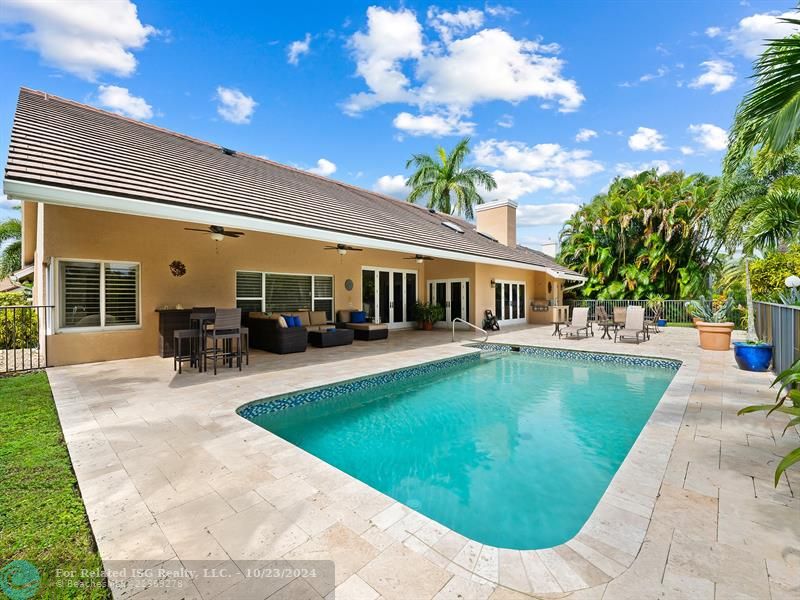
(493,284)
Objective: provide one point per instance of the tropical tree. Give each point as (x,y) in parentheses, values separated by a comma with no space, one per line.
(448,187)
(648,235)
(758,209)
(11,244)
(769,115)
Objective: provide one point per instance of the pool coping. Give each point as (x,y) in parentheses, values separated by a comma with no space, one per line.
(608,542)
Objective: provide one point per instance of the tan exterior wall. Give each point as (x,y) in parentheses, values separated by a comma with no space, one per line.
(69,233)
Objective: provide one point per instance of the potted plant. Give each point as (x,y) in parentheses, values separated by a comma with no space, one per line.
(751,354)
(713,326)
(427,314)
(656,304)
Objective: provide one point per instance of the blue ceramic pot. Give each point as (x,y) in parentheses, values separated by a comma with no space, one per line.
(662,322)
(752,357)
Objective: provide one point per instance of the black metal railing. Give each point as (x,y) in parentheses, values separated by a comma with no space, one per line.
(779,325)
(674,311)
(23,343)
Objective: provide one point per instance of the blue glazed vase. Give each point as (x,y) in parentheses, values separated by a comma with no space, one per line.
(752,357)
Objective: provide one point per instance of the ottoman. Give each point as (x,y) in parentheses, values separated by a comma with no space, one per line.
(326,339)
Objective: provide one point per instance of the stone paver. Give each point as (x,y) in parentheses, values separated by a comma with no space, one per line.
(169,472)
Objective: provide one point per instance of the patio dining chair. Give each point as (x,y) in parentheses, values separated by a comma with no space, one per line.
(620,313)
(227,329)
(634,325)
(652,322)
(580,322)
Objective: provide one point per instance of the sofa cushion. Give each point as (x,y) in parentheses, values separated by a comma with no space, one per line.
(318,317)
(257,315)
(282,322)
(343,316)
(367,326)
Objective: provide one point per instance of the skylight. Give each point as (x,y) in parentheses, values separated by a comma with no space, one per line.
(487,236)
(452,226)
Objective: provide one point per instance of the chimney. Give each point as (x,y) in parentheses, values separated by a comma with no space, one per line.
(550,248)
(499,220)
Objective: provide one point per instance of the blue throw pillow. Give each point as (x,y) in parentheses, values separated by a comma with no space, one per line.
(358,316)
(289,320)
(296,321)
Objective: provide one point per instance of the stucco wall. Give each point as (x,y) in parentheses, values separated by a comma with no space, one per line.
(210,279)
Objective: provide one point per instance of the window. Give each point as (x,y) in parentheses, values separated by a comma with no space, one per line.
(283,292)
(98,294)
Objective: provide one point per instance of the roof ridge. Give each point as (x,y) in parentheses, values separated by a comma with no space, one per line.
(48,96)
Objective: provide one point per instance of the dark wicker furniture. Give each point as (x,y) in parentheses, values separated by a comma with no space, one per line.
(326,339)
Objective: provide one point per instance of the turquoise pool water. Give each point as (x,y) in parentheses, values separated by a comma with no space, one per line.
(513,451)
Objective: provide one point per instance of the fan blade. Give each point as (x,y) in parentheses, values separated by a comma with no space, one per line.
(233,234)
(351,249)
(193,229)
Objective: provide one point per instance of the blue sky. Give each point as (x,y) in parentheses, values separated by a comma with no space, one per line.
(353,89)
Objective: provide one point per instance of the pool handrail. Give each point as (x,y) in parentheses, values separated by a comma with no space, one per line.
(475,327)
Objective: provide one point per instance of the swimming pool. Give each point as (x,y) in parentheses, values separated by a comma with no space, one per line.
(514,450)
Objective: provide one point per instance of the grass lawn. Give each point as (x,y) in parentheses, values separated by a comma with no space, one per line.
(42,518)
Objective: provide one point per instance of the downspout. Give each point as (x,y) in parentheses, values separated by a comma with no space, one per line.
(573,287)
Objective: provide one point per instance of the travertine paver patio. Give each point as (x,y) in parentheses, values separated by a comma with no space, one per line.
(169,472)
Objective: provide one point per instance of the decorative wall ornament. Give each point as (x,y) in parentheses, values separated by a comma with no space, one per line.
(348,284)
(177,268)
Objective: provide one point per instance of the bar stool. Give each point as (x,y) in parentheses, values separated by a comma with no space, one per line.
(244,342)
(178,357)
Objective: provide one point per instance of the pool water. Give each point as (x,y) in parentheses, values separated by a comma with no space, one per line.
(513,451)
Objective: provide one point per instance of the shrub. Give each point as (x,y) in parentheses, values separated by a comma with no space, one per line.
(767,275)
(19,327)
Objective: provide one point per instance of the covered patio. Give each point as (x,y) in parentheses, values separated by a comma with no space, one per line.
(170,472)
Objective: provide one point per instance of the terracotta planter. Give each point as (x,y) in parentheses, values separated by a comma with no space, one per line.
(427,325)
(695,321)
(714,336)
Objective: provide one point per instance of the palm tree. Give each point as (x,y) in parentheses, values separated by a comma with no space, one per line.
(758,208)
(449,188)
(769,115)
(11,244)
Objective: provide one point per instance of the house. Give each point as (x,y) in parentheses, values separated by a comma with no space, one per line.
(109,203)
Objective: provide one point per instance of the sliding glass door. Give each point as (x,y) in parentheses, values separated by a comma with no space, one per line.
(509,301)
(389,295)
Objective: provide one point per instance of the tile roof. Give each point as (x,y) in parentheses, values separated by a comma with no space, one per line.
(59,142)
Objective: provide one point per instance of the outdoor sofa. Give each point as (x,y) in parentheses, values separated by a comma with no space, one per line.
(362,331)
(266,333)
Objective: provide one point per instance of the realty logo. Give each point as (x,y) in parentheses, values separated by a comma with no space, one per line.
(19,580)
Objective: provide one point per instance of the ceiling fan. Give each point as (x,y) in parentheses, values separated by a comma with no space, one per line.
(217,232)
(342,249)
(420,258)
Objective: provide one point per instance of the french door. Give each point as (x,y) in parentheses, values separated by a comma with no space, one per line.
(389,295)
(509,301)
(452,295)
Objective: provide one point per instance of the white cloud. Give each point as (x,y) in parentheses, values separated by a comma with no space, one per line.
(453,73)
(687,150)
(448,24)
(390,38)
(533,215)
(543,159)
(660,72)
(719,76)
(646,138)
(82,37)
(747,38)
(120,100)
(628,169)
(499,10)
(709,136)
(584,135)
(505,121)
(392,185)
(235,106)
(435,125)
(297,49)
(713,32)
(515,184)
(324,167)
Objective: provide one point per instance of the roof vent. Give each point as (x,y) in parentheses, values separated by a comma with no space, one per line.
(228,151)
(452,226)
(487,236)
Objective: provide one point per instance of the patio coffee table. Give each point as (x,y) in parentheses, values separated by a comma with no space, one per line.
(326,339)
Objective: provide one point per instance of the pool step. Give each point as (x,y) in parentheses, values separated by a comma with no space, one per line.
(491,355)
